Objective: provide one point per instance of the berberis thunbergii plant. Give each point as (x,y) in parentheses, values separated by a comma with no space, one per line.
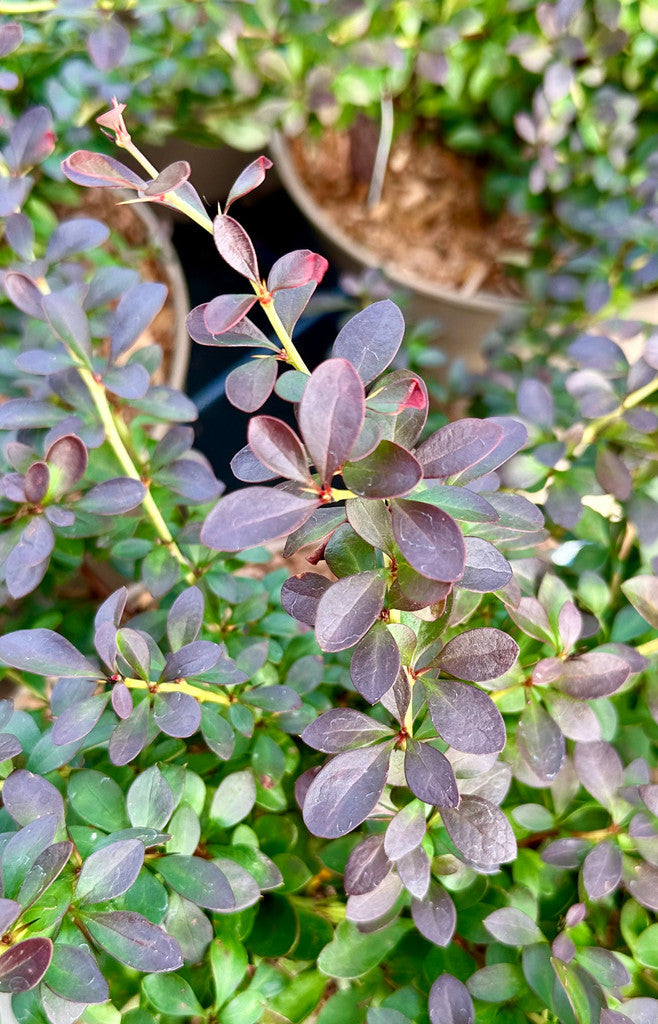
(474,849)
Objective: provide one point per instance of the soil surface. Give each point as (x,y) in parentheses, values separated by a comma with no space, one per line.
(429,219)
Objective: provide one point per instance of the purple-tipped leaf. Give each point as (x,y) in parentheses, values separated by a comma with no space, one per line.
(67,459)
(69,321)
(247,180)
(185,618)
(296,269)
(95,170)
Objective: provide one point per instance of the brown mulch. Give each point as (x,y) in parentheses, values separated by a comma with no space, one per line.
(429,220)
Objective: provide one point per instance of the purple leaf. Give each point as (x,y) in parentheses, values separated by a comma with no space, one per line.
(198,880)
(12,194)
(134,941)
(107,44)
(234,246)
(69,322)
(137,309)
(348,609)
(24,294)
(343,729)
(185,618)
(429,775)
(243,334)
(75,976)
(78,720)
(278,447)
(253,516)
(122,700)
(375,663)
(128,382)
(225,311)
(27,797)
(486,569)
(575,718)
(191,660)
(602,870)
(23,965)
(643,885)
(513,927)
(246,467)
(95,170)
(388,472)
(376,905)
(45,653)
(435,916)
(21,413)
(296,269)
(75,236)
(535,402)
(300,596)
(414,872)
(35,484)
(345,791)
(465,717)
(248,179)
(289,304)
(67,459)
(192,478)
(593,674)
(480,831)
(429,539)
(613,474)
(169,179)
(113,497)
(109,872)
(479,654)
(28,561)
(251,384)
(176,714)
(450,1002)
(11,35)
(381,320)
(9,911)
(642,592)
(31,140)
(10,746)
(176,442)
(405,832)
(366,866)
(514,437)
(130,736)
(540,742)
(458,446)
(331,415)
(22,850)
(600,771)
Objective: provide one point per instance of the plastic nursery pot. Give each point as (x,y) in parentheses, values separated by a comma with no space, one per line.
(465,320)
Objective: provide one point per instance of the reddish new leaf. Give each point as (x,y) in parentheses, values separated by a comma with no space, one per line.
(247,180)
(296,269)
(98,171)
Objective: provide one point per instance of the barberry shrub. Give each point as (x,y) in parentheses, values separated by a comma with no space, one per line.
(479,845)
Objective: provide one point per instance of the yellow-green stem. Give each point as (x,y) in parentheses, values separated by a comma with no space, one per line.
(294,358)
(198,692)
(593,429)
(113,437)
(649,648)
(497,695)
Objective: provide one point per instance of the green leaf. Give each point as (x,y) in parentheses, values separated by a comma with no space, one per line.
(351,954)
(646,947)
(275,930)
(233,799)
(171,994)
(74,974)
(228,963)
(496,983)
(300,997)
(246,1008)
(198,881)
(98,800)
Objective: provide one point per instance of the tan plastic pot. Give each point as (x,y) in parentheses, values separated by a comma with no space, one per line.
(465,320)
